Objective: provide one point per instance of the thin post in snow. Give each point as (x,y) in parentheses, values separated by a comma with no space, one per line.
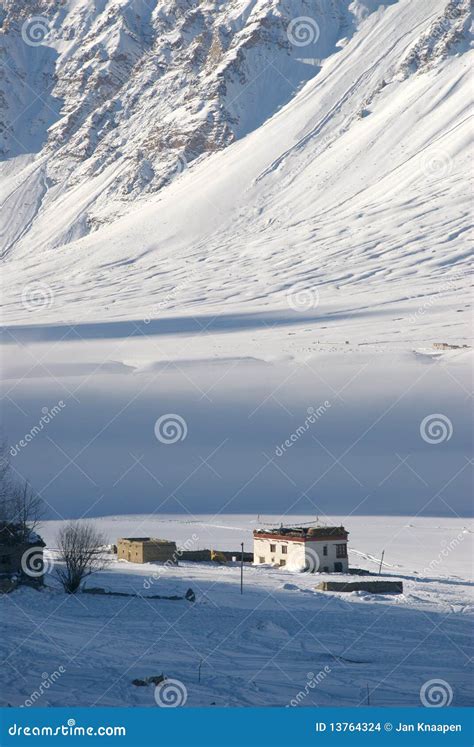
(381,562)
(242,569)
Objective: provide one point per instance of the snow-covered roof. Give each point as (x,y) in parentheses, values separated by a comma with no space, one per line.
(306,533)
(11,533)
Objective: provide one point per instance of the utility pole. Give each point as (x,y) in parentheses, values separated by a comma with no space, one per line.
(242,569)
(381,562)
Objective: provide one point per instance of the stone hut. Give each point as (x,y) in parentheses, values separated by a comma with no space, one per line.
(146,550)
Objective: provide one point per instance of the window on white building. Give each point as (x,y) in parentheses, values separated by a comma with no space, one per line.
(261,560)
(273,548)
(325,550)
(284,550)
(341,551)
(282,562)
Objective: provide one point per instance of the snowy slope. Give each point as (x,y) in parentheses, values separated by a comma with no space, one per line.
(134,92)
(319,256)
(354,192)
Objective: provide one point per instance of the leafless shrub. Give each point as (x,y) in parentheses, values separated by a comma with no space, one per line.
(5,480)
(19,505)
(27,508)
(82,552)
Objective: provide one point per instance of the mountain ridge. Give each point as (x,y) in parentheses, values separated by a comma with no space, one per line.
(296,202)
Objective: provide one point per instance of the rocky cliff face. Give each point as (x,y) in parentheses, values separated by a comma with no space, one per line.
(137,91)
(176,154)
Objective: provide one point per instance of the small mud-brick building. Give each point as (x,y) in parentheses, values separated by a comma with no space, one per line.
(21,555)
(310,549)
(146,550)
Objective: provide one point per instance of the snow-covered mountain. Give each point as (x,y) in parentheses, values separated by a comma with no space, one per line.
(174,155)
(141,90)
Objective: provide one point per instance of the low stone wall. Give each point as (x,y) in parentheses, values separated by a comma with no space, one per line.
(97,590)
(373,587)
(198,556)
(202,556)
(248,556)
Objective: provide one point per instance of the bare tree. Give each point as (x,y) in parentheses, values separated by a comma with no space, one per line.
(19,505)
(82,551)
(27,508)
(5,481)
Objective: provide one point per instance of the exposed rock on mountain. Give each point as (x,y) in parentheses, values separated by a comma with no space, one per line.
(182,154)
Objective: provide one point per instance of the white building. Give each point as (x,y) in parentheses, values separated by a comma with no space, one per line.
(312,549)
